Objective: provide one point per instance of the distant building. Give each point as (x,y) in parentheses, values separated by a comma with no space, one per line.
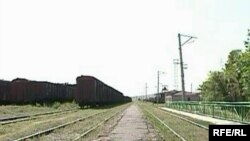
(172,95)
(177,96)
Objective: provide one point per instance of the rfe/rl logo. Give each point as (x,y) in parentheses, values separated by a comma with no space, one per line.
(224,132)
(229,132)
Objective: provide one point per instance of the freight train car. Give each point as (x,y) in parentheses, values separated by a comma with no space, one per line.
(5,88)
(87,91)
(23,91)
(157,98)
(127,99)
(91,91)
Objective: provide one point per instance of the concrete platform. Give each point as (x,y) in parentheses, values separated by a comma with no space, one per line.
(200,117)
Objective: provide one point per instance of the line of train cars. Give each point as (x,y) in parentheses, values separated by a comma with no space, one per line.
(91,91)
(23,91)
(87,91)
(156,98)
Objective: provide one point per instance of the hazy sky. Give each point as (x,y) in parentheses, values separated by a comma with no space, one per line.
(122,42)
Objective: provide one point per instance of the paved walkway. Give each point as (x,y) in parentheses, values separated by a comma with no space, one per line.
(132,127)
(200,117)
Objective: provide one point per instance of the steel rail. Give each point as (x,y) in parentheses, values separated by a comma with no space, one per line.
(95,127)
(34,117)
(175,133)
(29,115)
(185,119)
(56,127)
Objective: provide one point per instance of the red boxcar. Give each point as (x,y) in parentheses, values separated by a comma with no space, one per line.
(91,91)
(86,90)
(5,87)
(23,91)
(18,90)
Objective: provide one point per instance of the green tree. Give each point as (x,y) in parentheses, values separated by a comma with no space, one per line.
(244,63)
(233,82)
(233,75)
(214,88)
(247,42)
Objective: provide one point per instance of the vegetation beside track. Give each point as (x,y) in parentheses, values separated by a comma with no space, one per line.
(231,83)
(19,110)
(83,128)
(108,125)
(21,129)
(201,122)
(185,129)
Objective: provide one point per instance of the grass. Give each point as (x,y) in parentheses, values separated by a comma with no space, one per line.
(165,133)
(20,129)
(72,131)
(187,130)
(201,122)
(204,123)
(16,130)
(18,110)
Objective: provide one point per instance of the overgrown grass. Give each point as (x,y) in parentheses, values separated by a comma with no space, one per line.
(165,133)
(28,127)
(16,110)
(72,131)
(20,129)
(201,122)
(204,123)
(187,130)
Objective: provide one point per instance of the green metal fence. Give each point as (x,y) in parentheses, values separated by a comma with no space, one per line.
(234,111)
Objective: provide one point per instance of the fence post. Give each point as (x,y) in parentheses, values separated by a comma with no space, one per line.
(225,112)
(213,110)
(204,109)
(242,113)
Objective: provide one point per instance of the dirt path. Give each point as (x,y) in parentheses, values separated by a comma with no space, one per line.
(132,127)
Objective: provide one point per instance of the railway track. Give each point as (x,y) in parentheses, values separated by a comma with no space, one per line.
(13,118)
(170,124)
(45,132)
(95,127)
(33,116)
(173,131)
(185,119)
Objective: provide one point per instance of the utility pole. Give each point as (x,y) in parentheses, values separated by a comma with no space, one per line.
(176,63)
(182,70)
(158,83)
(181,61)
(146,88)
(191,87)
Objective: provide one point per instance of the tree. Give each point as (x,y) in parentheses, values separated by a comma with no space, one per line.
(247,42)
(214,88)
(233,75)
(244,64)
(233,82)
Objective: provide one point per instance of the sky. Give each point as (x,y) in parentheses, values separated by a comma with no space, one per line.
(121,42)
